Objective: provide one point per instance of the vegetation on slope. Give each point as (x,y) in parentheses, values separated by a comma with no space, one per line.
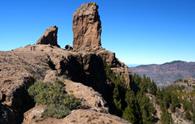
(133,102)
(53,95)
(175,96)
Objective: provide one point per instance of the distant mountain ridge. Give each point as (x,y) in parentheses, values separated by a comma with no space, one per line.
(167,73)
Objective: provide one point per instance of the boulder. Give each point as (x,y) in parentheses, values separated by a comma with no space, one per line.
(51,75)
(81,116)
(68,47)
(91,99)
(34,115)
(49,37)
(87,28)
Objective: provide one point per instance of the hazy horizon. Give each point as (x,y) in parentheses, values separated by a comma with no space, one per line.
(139,32)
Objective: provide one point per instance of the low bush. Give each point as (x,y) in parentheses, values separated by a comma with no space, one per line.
(53,95)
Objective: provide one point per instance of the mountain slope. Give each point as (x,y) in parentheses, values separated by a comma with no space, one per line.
(167,73)
(30,76)
(86,84)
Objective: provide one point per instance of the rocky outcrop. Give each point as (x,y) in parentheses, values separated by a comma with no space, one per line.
(49,37)
(109,58)
(84,63)
(89,72)
(20,67)
(51,75)
(18,70)
(34,114)
(92,110)
(80,116)
(90,98)
(116,66)
(91,117)
(87,28)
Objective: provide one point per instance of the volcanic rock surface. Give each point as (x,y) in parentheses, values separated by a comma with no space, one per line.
(87,28)
(45,61)
(22,66)
(79,116)
(49,37)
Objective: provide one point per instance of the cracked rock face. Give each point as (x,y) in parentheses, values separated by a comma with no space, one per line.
(49,37)
(87,28)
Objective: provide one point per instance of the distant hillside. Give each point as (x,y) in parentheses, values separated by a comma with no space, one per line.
(167,73)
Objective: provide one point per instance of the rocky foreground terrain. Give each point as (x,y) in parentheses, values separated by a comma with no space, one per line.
(46,61)
(84,84)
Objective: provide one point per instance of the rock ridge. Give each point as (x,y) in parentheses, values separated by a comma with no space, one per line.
(82,68)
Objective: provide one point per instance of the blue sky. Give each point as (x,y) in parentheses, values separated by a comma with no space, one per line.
(139,31)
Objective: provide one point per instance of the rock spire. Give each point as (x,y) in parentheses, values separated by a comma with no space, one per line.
(87,28)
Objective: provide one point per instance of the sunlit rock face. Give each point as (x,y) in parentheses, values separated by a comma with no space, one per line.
(87,28)
(49,36)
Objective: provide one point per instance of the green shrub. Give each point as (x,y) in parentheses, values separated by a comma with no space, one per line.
(166,117)
(56,111)
(187,105)
(71,102)
(152,88)
(175,103)
(129,114)
(147,108)
(117,99)
(188,116)
(118,92)
(58,102)
(193,116)
(132,112)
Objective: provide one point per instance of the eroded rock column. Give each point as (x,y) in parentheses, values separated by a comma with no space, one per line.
(87,28)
